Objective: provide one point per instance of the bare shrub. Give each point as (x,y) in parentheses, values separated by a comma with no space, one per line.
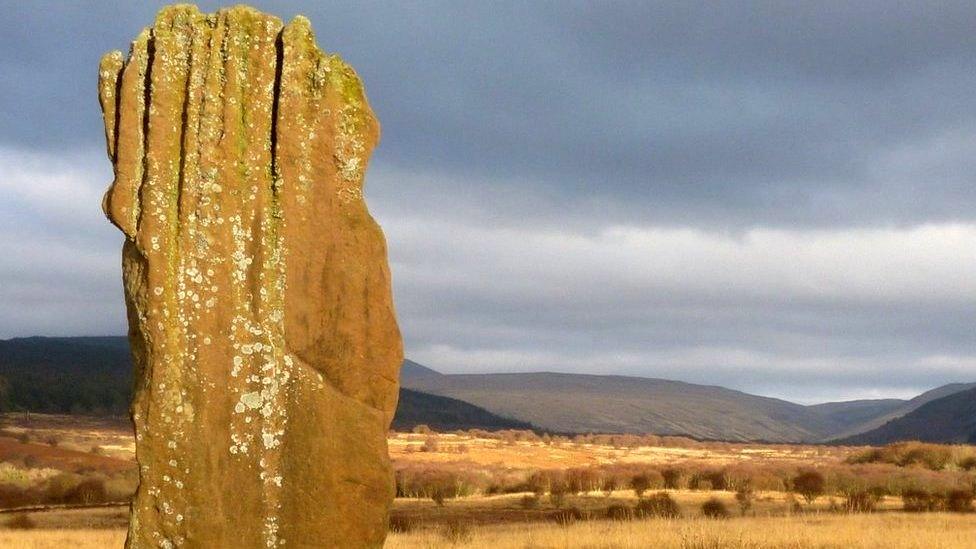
(708,480)
(87,492)
(21,521)
(793,504)
(640,483)
(529,502)
(860,502)
(714,509)
(582,480)
(557,492)
(568,516)
(932,456)
(659,505)
(918,501)
(430,445)
(400,524)
(744,496)
(672,478)
(959,501)
(537,483)
(810,485)
(619,512)
(14,496)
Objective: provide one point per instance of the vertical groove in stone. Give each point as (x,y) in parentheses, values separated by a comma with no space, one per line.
(257,289)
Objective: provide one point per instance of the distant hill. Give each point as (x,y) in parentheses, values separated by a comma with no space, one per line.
(907,407)
(412,370)
(597,403)
(609,404)
(854,414)
(93,375)
(446,414)
(949,419)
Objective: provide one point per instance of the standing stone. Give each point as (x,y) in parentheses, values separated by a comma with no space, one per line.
(258,293)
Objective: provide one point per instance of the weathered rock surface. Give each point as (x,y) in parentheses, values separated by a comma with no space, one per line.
(256,284)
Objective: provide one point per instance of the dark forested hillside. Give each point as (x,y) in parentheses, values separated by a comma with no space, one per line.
(93,375)
(948,419)
(446,414)
(65,375)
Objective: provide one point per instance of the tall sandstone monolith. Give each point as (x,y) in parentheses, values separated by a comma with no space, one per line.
(257,287)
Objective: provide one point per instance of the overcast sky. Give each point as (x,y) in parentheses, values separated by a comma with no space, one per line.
(778,197)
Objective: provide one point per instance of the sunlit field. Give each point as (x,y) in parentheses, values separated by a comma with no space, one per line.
(889,531)
(64,484)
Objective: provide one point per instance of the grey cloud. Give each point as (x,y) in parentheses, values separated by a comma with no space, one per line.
(516,135)
(728,114)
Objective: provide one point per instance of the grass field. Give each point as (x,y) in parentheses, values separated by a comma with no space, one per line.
(502,490)
(888,531)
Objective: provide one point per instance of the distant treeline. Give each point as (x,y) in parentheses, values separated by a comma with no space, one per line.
(77,376)
(93,376)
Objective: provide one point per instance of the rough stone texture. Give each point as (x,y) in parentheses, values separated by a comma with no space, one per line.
(256,284)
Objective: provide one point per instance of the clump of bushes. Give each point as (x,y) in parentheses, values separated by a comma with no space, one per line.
(21,521)
(659,505)
(861,501)
(959,501)
(744,497)
(529,501)
(87,492)
(708,480)
(904,454)
(619,512)
(920,501)
(810,485)
(671,478)
(558,488)
(714,509)
(568,516)
(640,483)
(916,500)
(401,524)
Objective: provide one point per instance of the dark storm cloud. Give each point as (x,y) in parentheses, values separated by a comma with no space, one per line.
(774,196)
(720,113)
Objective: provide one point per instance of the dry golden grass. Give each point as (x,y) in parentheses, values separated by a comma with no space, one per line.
(405,448)
(113,435)
(504,521)
(888,531)
(60,539)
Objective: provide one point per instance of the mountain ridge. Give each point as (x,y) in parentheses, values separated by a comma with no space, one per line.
(555,401)
(949,419)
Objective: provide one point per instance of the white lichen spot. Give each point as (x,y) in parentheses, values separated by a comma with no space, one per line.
(251,400)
